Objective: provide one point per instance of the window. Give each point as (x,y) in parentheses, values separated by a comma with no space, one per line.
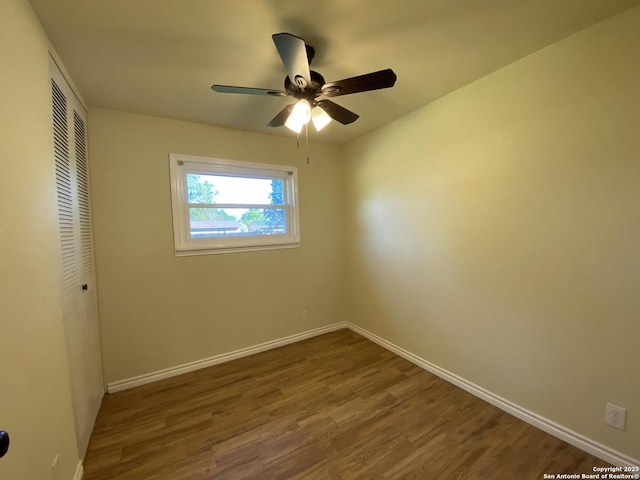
(229,206)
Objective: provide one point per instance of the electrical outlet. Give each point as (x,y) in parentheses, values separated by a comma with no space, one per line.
(615,416)
(303,316)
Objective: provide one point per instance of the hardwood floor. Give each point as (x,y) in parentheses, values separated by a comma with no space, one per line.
(332,407)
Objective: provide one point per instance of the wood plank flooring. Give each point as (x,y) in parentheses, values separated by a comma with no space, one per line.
(335,406)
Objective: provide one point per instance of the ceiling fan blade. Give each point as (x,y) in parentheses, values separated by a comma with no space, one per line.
(338,113)
(280,119)
(362,83)
(293,53)
(311,52)
(247,90)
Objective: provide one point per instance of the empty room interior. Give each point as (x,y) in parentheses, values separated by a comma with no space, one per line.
(442,282)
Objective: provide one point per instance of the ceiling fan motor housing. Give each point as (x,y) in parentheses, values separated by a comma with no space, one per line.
(310,92)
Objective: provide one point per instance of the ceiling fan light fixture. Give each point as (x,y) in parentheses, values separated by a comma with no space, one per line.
(320,118)
(300,116)
(294,127)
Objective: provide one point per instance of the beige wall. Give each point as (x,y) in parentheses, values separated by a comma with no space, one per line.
(158,311)
(495,232)
(35,404)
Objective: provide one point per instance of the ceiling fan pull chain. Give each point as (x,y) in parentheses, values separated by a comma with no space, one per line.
(306,134)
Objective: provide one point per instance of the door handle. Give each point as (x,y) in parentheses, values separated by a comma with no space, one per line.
(85,287)
(4,443)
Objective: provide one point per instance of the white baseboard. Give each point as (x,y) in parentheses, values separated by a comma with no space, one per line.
(217,359)
(79,471)
(594,448)
(583,443)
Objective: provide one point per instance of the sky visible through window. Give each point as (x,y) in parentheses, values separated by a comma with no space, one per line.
(239,190)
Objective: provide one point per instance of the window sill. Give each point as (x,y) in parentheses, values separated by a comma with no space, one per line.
(251,248)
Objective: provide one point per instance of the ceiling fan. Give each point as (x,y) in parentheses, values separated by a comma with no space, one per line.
(306,86)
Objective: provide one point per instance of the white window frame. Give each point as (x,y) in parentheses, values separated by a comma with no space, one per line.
(181,165)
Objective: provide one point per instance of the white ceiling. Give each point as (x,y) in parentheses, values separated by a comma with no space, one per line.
(159,57)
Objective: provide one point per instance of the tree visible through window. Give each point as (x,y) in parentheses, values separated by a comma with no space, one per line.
(204,192)
(275,218)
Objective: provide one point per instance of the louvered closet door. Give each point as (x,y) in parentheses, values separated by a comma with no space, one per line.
(79,298)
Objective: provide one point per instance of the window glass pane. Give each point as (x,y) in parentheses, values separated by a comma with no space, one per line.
(236,222)
(239,190)
(222,206)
